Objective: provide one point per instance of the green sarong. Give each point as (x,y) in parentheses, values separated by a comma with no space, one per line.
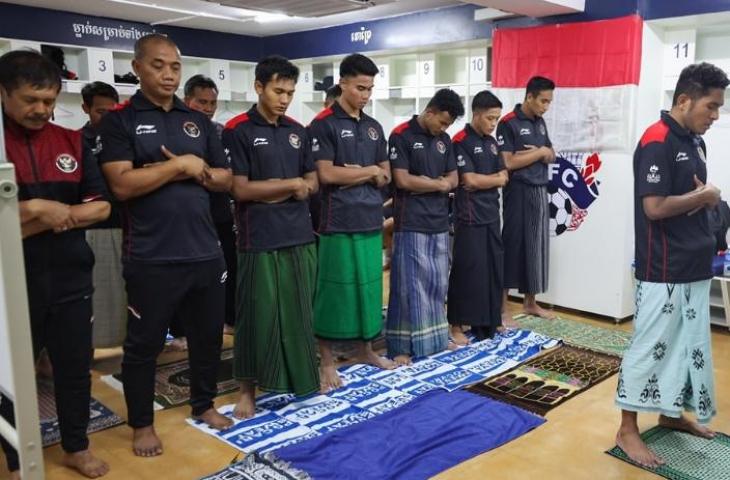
(274,343)
(348,302)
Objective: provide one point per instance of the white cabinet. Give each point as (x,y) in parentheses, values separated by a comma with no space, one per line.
(720,301)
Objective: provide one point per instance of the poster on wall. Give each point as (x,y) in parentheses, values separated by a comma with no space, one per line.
(572,189)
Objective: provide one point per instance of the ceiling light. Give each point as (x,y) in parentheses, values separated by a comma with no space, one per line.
(266,17)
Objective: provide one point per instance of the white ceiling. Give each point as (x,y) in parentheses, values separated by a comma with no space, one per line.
(191,14)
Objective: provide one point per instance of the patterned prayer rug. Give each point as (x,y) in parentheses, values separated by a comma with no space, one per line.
(259,467)
(544,382)
(100,417)
(172,381)
(687,457)
(605,340)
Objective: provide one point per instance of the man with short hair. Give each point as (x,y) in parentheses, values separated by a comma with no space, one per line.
(476,280)
(352,164)
(201,94)
(424,172)
(273,178)
(527,150)
(161,158)
(105,238)
(667,368)
(60,193)
(331,96)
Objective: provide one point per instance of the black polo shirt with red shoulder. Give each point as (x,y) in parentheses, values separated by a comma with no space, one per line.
(678,249)
(345,140)
(414,149)
(53,164)
(478,154)
(172,223)
(262,151)
(515,130)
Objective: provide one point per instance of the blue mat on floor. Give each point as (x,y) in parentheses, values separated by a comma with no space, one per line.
(433,433)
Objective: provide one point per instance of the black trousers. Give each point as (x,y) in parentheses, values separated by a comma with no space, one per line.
(157,293)
(227,237)
(65,331)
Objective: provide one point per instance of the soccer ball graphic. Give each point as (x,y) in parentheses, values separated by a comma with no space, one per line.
(561,210)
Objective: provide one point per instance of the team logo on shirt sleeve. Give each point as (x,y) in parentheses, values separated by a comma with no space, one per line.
(460,162)
(393,153)
(543,131)
(66,163)
(500,140)
(294,140)
(373,134)
(315,145)
(191,129)
(653,176)
(441,147)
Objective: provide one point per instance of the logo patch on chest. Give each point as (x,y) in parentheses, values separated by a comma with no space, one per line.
(478,149)
(346,134)
(294,140)
(682,157)
(441,147)
(258,141)
(66,163)
(191,129)
(701,153)
(373,134)
(525,131)
(493,148)
(145,129)
(543,131)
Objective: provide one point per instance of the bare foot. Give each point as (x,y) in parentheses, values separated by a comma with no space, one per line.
(686,425)
(634,447)
(146,443)
(228,330)
(538,311)
(401,360)
(85,463)
(508,323)
(329,379)
(213,419)
(452,346)
(246,406)
(376,360)
(457,335)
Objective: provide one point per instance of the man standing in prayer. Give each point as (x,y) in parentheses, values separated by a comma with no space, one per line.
(350,151)
(667,368)
(527,150)
(424,172)
(274,177)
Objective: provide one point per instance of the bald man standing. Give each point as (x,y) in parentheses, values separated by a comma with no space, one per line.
(160,159)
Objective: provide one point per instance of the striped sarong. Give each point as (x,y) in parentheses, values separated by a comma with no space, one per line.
(274,342)
(110,296)
(526,236)
(419,277)
(667,368)
(348,302)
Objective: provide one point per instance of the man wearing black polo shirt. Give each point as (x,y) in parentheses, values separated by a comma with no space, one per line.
(60,192)
(351,157)
(201,94)
(161,158)
(526,149)
(477,272)
(424,172)
(105,238)
(667,368)
(273,179)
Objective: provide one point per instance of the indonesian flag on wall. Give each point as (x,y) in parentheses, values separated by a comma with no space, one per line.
(596,67)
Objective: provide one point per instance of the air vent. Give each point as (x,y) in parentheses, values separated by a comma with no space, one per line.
(304,8)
